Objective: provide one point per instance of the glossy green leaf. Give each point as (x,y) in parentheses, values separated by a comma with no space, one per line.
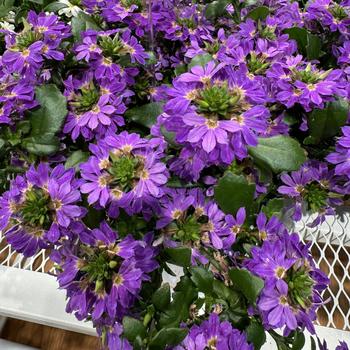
(200,60)
(256,334)
(259,13)
(46,121)
(279,153)
(182,68)
(226,293)
(247,283)
(274,207)
(50,117)
(216,9)
(145,115)
(180,256)
(5,7)
(299,341)
(81,23)
(74,160)
(42,145)
(161,297)
(132,328)
(179,308)
(326,123)
(54,6)
(202,278)
(167,337)
(308,44)
(233,191)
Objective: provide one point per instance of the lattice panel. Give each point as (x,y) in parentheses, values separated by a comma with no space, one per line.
(330,246)
(39,263)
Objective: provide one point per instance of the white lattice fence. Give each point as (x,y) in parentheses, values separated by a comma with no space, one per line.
(330,246)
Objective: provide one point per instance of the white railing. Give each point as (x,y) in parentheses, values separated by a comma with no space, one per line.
(29,294)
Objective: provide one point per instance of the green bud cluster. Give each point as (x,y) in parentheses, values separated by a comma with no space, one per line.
(187,22)
(309,76)
(300,287)
(338,11)
(268,32)
(315,196)
(212,48)
(124,170)
(188,230)
(35,209)
(257,63)
(216,100)
(111,47)
(99,267)
(87,99)
(129,3)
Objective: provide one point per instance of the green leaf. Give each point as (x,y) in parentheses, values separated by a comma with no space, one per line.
(233,191)
(202,278)
(5,7)
(46,121)
(279,153)
(179,256)
(274,207)
(161,297)
(81,23)
(145,115)
(182,68)
(74,160)
(200,60)
(216,9)
(308,44)
(313,343)
(260,12)
(167,337)
(256,334)
(246,283)
(326,123)
(313,47)
(54,6)
(49,118)
(299,341)
(133,328)
(226,293)
(169,136)
(2,143)
(42,145)
(179,309)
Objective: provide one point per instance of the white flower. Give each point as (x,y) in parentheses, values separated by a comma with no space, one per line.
(7,26)
(70,9)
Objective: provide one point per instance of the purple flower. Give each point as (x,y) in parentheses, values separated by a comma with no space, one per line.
(214,334)
(342,346)
(292,282)
(19,61)
(103,278)
(341,158)
(274,304)
(39,207)
(314,185)
(102,113)
(234,225)
(125,171)
(133,48)
(114,341)
(217,110)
